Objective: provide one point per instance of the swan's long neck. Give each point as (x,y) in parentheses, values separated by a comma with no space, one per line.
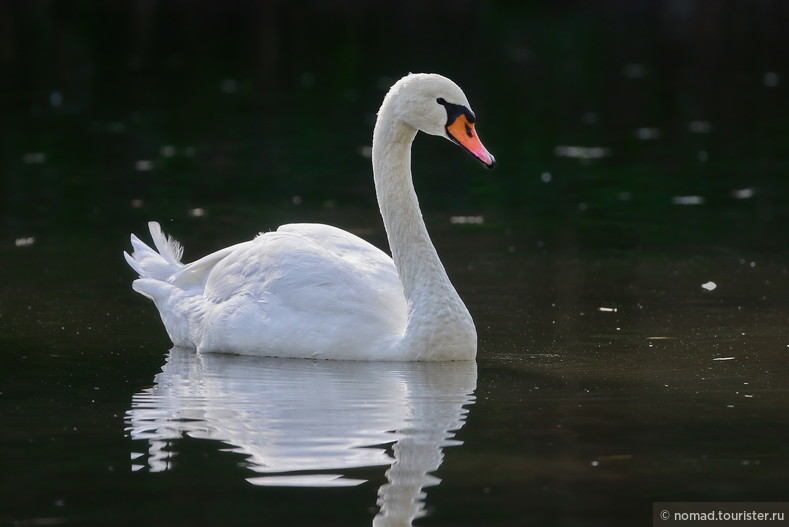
(438,321)
(412,250)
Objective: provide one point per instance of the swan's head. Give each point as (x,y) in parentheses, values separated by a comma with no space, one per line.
(437,106)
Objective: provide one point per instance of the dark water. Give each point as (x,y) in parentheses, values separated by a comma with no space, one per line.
(642,157)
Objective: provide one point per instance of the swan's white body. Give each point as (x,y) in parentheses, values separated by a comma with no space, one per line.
(315,291)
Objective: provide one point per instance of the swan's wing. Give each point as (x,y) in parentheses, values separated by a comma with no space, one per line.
(337,241)
(332,258)
(196,273)
(346,246)
(303,282)
(295,258)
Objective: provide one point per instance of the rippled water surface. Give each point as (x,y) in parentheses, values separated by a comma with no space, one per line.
(626,264)
(603,383)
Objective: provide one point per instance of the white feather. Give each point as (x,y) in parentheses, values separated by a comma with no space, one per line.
(170,249)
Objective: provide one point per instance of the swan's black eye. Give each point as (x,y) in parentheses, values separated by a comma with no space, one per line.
(455,110)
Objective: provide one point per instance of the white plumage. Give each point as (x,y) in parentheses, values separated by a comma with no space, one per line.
(315,291)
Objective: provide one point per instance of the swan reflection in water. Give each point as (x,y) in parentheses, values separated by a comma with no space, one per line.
(301,422)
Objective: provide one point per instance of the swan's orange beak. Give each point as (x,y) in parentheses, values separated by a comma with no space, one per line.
(462,132)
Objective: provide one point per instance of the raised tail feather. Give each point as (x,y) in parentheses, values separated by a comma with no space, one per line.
(149,263)
(157,269)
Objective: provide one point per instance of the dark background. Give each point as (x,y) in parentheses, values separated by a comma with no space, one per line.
(154,108)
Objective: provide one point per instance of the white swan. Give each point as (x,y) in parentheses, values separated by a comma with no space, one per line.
(315,291)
